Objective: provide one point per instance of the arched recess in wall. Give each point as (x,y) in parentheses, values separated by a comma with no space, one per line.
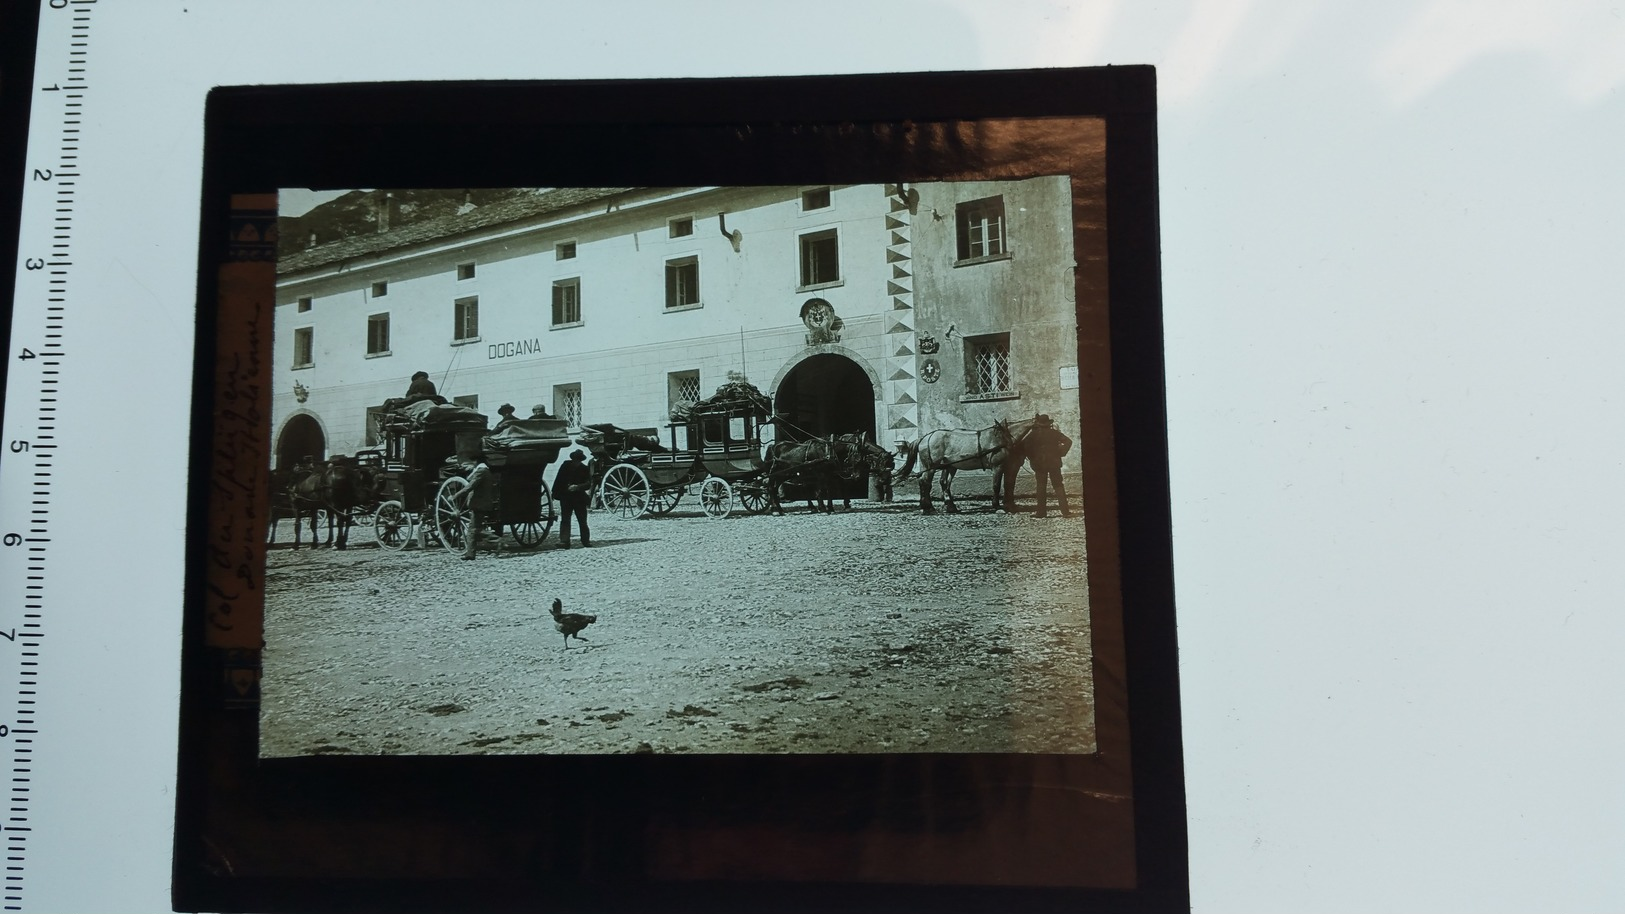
(301,435)
(826,390)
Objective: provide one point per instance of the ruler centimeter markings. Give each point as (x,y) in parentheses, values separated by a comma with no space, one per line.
(37,353)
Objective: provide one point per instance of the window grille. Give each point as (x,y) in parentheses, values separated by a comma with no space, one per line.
(567,404)
(683,387)
(989,365)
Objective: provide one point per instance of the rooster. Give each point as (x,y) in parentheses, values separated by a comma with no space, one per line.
(570,623)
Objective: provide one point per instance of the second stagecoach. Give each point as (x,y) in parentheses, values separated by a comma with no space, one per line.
(713,451)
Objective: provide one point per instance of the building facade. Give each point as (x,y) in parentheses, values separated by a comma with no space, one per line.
(886,309)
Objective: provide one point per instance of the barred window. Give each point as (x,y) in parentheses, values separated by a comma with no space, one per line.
(378,334)
(304,347)
(682,387)
(567,403)
(981,228)
(987,364)
(567,302)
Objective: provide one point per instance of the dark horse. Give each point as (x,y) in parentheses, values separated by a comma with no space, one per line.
(856,455)
(952,450)
(337,488)
(283,482)
(806,463)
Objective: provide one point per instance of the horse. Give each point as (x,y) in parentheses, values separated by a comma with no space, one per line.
(282,484)
(337,488)
(952,450)
(856,455)
(808,463)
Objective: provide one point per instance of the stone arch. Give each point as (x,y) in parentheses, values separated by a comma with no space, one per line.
(826,349)
(302,431)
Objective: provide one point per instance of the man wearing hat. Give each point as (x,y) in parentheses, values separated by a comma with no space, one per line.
(506,412)
(539,412)
(1045,445)
(479,496)
(421,388)
(573,488)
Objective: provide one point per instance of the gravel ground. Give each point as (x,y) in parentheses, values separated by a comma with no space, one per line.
(873,630)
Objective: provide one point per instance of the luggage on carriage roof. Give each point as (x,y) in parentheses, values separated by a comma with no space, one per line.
(527,441)
(609,436)
(737,394)
(425,415)
(532,429)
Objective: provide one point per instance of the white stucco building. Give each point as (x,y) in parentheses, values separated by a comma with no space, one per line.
(888,309)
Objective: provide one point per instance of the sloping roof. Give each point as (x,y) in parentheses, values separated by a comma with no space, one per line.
(482,217)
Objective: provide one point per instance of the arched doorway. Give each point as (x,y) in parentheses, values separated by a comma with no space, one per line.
(826,394)
(301,437)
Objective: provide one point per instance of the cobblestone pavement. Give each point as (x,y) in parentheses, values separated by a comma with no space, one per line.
(873,630)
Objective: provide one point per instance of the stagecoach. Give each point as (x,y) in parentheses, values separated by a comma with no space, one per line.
(715,452)
(419,479)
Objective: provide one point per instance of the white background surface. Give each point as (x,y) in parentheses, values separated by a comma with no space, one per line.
(1391,242)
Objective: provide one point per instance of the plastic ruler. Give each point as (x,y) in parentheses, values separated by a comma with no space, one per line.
(38,353)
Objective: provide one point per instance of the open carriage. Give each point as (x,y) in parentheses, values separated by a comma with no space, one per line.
(420,481)
(715,452)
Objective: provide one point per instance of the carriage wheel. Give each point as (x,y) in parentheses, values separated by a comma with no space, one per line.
(716,497)
(753,496)
(452,519)
(661,501)
(392,526)
(626,491)
(531,533)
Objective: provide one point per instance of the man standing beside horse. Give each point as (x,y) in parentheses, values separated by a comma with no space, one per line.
(1044,446)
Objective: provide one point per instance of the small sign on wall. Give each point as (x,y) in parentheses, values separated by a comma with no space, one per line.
(1069,378)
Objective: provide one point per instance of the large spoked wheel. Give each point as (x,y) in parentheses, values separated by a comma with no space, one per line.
(753,496)
(392,526)
(453,520)
(661,501)
(531,533)
(626,491)
(716,497)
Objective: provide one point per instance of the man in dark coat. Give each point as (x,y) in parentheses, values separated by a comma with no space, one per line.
(1045,445)
(573,488)
(506,412)
(421,388)
(480,498)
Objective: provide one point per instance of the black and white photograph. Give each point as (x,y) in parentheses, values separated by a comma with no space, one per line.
(717,469)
